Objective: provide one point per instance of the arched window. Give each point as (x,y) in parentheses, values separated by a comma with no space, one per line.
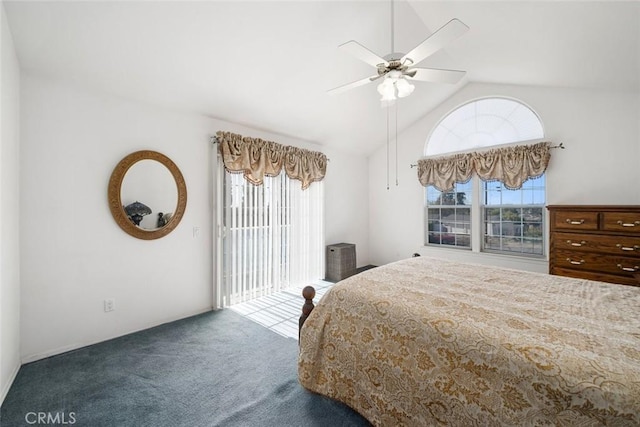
(484,123)
(497,218)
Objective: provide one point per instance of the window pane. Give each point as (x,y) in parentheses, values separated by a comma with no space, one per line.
(527,196)
(493,197)
(482,123)
(463,215)
(448,216)
(532,214)
(511,197)
(448,198)
(462,198)
(432,195)
(492,242)
(514,220)
(538,197)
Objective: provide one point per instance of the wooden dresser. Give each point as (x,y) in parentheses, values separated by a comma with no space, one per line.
(595,242)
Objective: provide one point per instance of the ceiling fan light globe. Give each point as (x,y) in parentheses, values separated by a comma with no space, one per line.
(387,90)
(404,88)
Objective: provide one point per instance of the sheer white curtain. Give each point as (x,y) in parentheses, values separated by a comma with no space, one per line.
(272,237)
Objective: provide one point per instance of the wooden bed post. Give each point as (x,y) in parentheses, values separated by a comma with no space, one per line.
(308,293)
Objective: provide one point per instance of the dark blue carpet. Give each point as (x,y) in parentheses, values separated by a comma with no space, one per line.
(214,369)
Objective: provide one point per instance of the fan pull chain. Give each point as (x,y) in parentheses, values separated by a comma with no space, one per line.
(397,142)
(387,148)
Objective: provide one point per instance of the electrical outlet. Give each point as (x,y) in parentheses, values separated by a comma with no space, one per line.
(109,304)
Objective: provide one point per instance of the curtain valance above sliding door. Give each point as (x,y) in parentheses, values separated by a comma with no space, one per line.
(257,158)
(510,165)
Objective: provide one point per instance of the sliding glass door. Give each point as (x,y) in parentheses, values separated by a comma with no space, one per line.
(272,236)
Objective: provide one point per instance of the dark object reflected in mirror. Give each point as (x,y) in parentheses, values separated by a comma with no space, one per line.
(150,176)
(136,211)
(163,219)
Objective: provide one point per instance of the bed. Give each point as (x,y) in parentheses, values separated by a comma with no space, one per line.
(427,341)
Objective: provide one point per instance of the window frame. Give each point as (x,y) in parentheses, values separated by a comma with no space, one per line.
(477,212)
(477,232)
(455,207)
(543,222)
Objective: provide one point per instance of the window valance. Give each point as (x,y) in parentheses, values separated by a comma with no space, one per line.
(510,165)
(256,158)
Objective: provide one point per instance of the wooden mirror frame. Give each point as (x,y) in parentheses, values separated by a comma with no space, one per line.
(115,202)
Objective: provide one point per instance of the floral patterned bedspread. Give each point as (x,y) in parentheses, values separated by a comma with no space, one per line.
(426,341)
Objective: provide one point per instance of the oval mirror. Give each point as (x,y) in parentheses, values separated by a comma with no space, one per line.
(147,195)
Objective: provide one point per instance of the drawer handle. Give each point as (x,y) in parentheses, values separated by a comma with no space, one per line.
(569,242)
(628,248)
(631,269)
(576,262)
(628,224)
(574,222)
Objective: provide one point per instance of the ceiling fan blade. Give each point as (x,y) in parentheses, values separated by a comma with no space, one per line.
(351,85)
(435,75)
(436,41)
(362,53)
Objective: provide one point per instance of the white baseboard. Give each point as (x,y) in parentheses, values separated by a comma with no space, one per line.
(7,386)
(53,352)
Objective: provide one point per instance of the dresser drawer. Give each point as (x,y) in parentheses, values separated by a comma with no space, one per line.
(611,264)
(575,220)
(601,277)
(615,245)
(627,222)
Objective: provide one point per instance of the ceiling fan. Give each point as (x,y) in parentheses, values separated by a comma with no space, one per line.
(398,69)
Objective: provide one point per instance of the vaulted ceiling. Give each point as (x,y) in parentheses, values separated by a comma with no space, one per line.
(268,64)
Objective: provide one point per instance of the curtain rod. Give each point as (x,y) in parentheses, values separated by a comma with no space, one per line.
(215,140)
(560,146)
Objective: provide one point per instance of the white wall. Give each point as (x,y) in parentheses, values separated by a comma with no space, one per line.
(9,210)
(599,166)
(73,253)
(347,202)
